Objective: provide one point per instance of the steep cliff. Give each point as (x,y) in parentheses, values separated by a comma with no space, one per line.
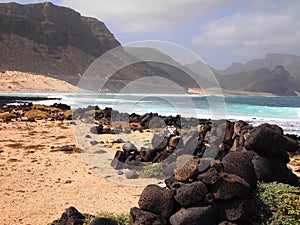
(49,39)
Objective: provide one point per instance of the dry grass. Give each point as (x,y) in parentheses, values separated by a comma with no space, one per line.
(15,145)
(7,114)
(93,111)
(37,114)
(45,108)
(68,113)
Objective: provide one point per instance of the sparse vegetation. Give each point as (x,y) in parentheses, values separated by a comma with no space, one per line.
(45,108)
(122,219)
(7,114)
(68,113)
(37,114)
(153,170)
(277,204)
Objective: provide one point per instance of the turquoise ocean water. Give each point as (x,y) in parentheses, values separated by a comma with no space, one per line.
(284,111)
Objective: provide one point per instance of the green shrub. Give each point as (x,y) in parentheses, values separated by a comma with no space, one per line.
(122,219)
(277,204)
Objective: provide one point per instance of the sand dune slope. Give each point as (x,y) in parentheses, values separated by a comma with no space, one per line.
(14,81)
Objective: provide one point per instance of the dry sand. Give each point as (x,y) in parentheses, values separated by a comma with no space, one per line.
(218,91)
(38,184)
(14,81)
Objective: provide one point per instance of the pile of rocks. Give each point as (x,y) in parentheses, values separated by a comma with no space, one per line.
(138,122)
(208,191)
(166,145)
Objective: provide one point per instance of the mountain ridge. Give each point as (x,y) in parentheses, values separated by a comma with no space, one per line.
(290,62)
(43,38)
(49,39)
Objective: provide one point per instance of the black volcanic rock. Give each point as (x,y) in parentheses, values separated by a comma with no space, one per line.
(45,38)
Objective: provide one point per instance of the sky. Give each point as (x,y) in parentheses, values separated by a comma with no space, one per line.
(219,31)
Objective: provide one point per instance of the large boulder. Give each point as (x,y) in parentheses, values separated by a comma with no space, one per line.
(157,200)
(189,194)
(210,177)
(189,142)
(230,186)
(262,168)
(141,217)
(71,217)
(186,167)
(239,163)
(269,142)
(206,215)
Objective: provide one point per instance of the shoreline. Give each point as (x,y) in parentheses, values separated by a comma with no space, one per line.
(39,181)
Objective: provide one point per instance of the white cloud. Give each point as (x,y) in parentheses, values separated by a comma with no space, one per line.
(139,16)
(254,33)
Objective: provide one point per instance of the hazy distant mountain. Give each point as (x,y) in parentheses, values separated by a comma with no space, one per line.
(49,39)
(277,81)
(290,62)
(176,71)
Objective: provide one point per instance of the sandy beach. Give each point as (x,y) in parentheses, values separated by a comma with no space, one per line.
(15,81)
(38,183)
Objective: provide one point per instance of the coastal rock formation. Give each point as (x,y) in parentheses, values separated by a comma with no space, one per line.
(221,193)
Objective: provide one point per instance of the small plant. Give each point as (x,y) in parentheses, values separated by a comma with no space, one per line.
(152,170)
(122,219)
(277,204)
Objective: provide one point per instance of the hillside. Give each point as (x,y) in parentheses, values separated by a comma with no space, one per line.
(277,81)
(48,39)
(58,42)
